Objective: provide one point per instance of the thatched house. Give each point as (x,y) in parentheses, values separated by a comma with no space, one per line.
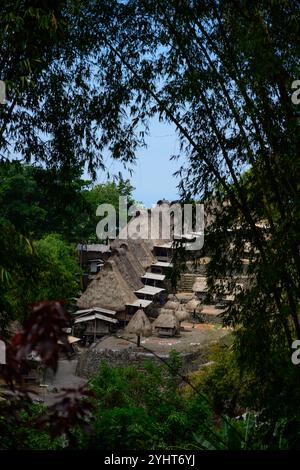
(181,313)
(177,309)
(139,325)
(193,305)
(88,252)
(114,286)
(153,279)
(143,251)
(160,267)
(164,311)
(139,303)
(94,321)
(89,311)
(149,292)
(94,325)
(91,259)
(163,251)
(128,265)
(140,250)
(108,290)
(172,305)
(166,324)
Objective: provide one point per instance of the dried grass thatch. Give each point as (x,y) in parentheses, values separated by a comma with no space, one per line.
(166,320)
(139,324)
(192,305)
(139,250)
(164,311)
(129,266)
(181,313)
(184,296)
(171,305)
(151,220)
(143,250)
(108,290)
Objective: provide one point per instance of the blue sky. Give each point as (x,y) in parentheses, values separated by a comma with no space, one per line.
(152,175)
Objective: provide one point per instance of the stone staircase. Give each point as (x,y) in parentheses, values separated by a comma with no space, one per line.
(186,282)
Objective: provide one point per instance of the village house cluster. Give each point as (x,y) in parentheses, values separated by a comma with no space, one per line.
(127,301)
(126,282)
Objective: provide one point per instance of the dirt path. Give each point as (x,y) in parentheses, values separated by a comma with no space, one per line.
(64,378)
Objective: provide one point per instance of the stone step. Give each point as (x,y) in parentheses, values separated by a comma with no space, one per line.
(186,282)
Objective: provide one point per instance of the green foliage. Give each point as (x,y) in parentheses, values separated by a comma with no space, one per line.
(229,390)
(144,410)
(20,199)
(136,409)
(85,78)
(106,193)
(45,270)
(17,268)
(58,268)
(55,113)
(26,433)
(266,419)
(38,201)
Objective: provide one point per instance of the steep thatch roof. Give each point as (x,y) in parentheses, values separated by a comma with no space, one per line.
(138,250)
(171,305)
(139,324)
(151,220)
(166,320)
(138,224)
(143,251)
(163,311)
(108,290)
(129,266)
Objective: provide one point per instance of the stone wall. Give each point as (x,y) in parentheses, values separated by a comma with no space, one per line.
(90,360)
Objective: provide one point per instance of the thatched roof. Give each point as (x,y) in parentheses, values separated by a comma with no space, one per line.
(192,305)
(151,220)
(139,324)
(184,296)
(181,313)
(163,311)
(108,290)
(139,250)
(129,266)
(143,250)
(130,231)
(166,320)
(171,305)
